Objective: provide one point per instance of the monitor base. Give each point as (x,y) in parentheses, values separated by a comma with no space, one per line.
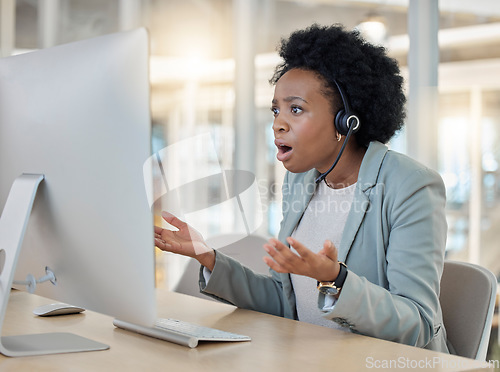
(48,343)
(13,223)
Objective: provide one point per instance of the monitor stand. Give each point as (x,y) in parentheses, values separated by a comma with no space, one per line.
(13,223)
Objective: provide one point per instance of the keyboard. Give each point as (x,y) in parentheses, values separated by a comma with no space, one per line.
(180,332)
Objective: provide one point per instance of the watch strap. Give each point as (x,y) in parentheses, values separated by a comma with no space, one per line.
(340,279)
(339,282)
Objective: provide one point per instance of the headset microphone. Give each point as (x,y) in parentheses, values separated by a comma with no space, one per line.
(346,123)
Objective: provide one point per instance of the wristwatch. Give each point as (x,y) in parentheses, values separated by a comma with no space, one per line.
(334,287)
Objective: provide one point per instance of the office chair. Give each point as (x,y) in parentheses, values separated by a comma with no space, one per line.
(467,299)
(247,250)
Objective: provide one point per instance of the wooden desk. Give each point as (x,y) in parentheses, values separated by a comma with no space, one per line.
(277,344)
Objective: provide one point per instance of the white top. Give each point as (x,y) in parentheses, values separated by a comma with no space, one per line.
(324,218)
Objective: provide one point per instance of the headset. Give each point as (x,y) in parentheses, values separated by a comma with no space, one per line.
(346,123)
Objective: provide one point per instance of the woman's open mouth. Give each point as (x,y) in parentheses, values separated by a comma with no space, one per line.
(284,151)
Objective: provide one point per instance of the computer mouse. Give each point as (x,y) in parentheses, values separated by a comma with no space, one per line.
(58,308)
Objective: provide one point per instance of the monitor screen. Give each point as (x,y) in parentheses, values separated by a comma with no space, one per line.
(79,114)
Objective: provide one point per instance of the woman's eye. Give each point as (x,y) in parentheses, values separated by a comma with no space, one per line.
(296,110)
(275,111)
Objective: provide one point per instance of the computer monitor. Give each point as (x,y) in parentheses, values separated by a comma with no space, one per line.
(78,116)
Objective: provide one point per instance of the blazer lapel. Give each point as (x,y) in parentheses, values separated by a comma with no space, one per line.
(354,220)
(367,179)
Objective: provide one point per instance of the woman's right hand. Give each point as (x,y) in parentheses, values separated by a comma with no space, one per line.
(185,241)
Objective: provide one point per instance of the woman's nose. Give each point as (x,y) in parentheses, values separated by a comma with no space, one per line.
(279,124)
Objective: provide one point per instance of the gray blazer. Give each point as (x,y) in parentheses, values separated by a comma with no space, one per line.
(393,245)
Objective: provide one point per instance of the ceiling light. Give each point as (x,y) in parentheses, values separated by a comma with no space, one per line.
(373,29)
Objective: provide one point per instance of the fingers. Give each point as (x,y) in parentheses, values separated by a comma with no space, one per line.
(171,237)
(283,259)
(173,220)
(162,244)
(273,265)
(164,239)
(299,247)
(329,250)
(277,249)
(159,242)
(271,249)
(304,262)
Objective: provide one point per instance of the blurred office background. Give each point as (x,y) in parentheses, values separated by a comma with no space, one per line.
(210,65)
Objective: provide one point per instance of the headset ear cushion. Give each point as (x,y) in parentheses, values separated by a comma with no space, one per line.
(340,122)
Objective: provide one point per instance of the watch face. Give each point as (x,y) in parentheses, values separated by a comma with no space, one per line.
(329,290)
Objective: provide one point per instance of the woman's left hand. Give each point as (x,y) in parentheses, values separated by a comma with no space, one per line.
(322,266)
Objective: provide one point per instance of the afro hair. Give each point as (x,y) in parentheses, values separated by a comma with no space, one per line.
(371,79)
